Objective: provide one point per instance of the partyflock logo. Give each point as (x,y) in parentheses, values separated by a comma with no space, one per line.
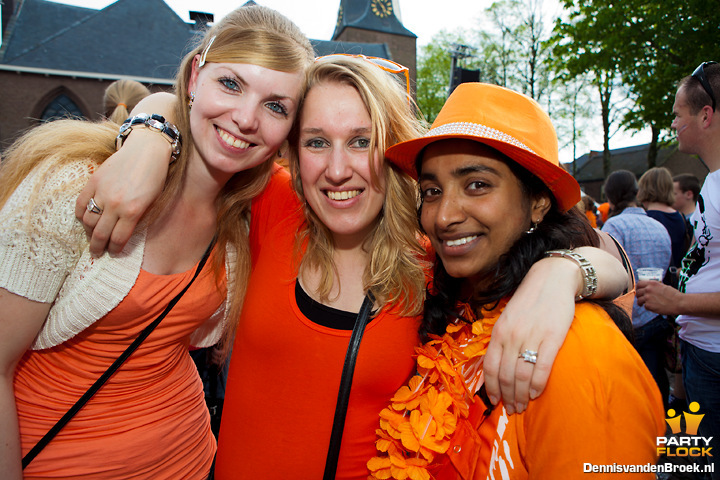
(690,444)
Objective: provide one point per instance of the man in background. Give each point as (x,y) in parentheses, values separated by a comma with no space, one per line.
(687,189)
(697,302)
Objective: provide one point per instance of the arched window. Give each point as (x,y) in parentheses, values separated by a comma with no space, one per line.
(61,107)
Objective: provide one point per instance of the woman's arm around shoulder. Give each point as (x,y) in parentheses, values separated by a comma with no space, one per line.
(537,319)
(128,182)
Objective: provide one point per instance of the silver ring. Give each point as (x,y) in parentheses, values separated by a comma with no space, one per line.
(529,356)
(92,207)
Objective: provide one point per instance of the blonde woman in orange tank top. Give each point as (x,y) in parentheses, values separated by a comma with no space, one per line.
(66,315)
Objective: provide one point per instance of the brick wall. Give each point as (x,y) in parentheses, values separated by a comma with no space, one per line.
(26,95)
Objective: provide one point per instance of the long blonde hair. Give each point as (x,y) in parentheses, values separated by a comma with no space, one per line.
(120,98)
(57,142)
(252,35)
(396,270)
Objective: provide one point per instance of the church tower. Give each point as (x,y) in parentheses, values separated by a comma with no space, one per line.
(377,21)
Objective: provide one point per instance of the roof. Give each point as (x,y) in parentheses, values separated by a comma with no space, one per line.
(129,38)
(328,47)
(54,17)
(375,15)
(590,165)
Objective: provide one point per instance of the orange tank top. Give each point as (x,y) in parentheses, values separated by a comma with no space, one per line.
(149,421)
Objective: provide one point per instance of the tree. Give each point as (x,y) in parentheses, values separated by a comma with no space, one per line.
(667,42)
(580,46)
(433,72)
(512,52)
(519,40)
(570,101)
(649,45)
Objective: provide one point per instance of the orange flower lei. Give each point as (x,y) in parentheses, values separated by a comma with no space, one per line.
(422,416)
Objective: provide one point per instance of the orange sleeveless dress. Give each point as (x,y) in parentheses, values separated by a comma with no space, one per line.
(149,421)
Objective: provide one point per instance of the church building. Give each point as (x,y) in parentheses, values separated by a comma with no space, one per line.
(56,60)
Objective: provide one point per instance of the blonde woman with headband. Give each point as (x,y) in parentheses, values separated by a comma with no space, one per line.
(67,316)
(353,241)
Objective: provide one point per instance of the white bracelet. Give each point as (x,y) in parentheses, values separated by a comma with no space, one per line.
(590,281)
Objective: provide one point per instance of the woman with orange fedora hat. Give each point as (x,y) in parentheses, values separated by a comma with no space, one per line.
(494,201)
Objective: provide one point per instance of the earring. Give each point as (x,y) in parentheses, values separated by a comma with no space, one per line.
(192,99)
(532,228)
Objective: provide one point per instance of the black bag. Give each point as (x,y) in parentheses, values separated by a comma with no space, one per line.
(214,378)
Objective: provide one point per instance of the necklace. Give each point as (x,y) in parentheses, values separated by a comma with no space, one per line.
(421,419)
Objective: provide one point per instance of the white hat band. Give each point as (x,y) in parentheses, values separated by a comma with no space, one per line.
(476,130)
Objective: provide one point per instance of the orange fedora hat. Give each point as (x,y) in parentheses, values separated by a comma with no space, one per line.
(505,120)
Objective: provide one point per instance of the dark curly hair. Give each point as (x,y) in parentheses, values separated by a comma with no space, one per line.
(558,230)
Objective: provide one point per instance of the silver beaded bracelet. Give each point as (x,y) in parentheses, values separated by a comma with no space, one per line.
(156,123)
(590,281)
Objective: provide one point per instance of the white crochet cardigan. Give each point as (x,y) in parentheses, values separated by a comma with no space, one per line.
(45,257)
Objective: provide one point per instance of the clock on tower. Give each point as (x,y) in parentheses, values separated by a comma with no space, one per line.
(382,8)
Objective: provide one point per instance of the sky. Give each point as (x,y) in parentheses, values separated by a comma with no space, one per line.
(425,18)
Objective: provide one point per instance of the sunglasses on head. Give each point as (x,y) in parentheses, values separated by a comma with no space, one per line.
(699,75)
(384,63)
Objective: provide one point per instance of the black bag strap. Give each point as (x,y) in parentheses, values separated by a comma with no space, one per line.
(331,462)
(111,369)
(625,261)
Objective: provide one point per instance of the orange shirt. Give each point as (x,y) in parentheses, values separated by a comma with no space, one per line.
(149,421)
(604,209)
(601,406)
(285,370)
(592,218)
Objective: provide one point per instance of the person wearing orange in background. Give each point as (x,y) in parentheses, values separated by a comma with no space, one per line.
(589,207)
(494,200)
(604,211)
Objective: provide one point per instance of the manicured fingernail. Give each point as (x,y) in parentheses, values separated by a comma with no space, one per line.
(493,400)
(533,394)
(509,409)
(520,407)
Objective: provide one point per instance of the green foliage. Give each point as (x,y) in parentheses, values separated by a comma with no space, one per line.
(433,73)
(616,61)
(511,51)
(665,43)
(648,45)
